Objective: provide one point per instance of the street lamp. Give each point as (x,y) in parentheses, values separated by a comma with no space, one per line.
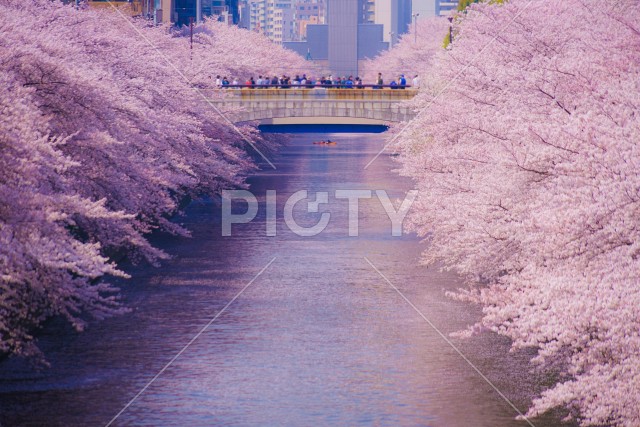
(415,27)
(391,33)
(191,37)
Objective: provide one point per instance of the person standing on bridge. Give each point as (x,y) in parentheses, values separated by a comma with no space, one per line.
(379,82)
(416,82)
(349,83)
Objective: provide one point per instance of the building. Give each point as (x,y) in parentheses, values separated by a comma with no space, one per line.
(257,16)
(243,9)
(343,36)
(425,8)
(284,28)
(273,18)
(181,12)
(445,7)
(128,7)
(395,16)
(366,12)
(348,37)
(308,12)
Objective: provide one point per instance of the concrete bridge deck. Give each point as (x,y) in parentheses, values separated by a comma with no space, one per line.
(314,105)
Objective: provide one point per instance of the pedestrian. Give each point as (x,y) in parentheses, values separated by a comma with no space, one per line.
(218,81)
(274,82)
(349,83)
(379,82)
(402,82)
(416,82)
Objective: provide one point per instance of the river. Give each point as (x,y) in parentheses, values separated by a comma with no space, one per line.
(318,338)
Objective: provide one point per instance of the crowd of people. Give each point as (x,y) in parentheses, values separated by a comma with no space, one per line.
(286,82)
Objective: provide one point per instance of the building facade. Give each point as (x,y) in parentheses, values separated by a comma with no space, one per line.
(308,12)
(446,7)
(349,36)
(343,37)
(395,16)
(182,12)
(366,11)
(276,19)
(425,8)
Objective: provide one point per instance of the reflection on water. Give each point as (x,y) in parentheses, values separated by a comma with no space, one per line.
(318,339)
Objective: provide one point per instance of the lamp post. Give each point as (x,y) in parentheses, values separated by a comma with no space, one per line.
(391,34)
(415,27)
(191,37)
(450,29)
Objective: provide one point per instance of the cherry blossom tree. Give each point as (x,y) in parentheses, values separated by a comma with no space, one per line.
(102,137)
(526,156)
(412,54)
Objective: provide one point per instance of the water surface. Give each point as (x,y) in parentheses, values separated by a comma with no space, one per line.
(320,338)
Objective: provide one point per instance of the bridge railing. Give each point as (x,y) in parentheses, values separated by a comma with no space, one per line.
(267,102)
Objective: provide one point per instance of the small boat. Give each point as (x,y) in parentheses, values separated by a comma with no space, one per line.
(325,142)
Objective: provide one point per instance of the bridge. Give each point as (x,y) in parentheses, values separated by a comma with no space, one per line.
(319,105)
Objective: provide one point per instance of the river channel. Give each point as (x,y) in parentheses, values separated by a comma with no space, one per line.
(319,332)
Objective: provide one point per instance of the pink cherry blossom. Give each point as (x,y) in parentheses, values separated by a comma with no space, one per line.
(525,152)
(102,136)
(412,55)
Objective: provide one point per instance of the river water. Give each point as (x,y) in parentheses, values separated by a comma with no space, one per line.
(318,338)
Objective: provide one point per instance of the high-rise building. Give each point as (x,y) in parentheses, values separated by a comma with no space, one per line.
(284,28)
(395,16)
(343,37)
(349,36)
(308,12)
(273,18)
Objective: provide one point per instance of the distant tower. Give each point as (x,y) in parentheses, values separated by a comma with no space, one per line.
(348,35)
(342,17)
